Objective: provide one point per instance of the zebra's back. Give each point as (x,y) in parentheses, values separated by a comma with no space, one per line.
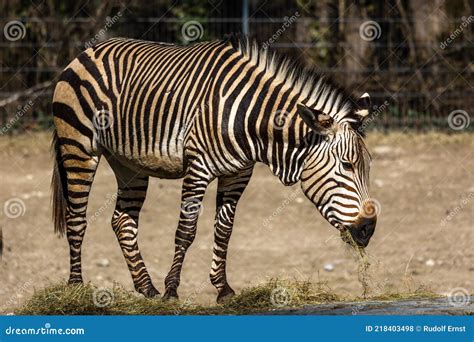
(137,100)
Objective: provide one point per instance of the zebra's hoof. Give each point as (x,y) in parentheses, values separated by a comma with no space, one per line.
(149,292)
(225,294)
(171,295)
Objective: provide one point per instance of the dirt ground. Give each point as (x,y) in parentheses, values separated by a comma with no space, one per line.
(424,236)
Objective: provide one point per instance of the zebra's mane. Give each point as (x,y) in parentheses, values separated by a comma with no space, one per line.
(315,88)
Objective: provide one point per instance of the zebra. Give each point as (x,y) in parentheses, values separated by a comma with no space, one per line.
(202,112)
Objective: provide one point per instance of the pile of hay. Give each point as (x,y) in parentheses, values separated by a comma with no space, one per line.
(63,299)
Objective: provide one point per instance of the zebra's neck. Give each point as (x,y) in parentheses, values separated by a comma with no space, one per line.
(262,111)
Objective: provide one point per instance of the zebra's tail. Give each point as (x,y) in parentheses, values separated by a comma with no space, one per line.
(59,189)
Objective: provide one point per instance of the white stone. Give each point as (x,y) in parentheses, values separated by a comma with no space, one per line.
(329,267)
(103,262)
(430,263)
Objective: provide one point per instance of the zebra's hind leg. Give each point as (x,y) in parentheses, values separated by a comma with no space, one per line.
(80,171)
(229,190)
(131,194)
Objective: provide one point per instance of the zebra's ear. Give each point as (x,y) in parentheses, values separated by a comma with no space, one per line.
(363,107)
(315,119)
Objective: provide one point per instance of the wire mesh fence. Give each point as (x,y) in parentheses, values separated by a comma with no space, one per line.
(409,91)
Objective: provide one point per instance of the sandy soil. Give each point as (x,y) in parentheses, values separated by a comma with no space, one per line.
(424,237)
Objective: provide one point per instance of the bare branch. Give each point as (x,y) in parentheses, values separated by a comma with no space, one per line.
(33,91)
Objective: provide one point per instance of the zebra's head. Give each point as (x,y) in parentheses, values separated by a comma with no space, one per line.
(335,175)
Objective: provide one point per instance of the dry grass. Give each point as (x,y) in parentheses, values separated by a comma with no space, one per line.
(63,299)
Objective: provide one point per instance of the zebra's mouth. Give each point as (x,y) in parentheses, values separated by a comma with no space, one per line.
(349,235)
(346,235)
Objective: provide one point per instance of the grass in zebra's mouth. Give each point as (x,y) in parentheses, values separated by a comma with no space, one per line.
(364,262)
(86,299)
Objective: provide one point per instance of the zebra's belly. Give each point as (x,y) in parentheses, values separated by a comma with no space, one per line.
(160,166)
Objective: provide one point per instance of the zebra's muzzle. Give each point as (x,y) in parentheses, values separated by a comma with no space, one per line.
(362,231)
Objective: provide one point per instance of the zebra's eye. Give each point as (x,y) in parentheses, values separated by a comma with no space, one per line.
(347,166)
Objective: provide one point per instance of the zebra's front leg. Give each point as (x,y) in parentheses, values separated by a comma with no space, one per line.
(229,190)
(194,188)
